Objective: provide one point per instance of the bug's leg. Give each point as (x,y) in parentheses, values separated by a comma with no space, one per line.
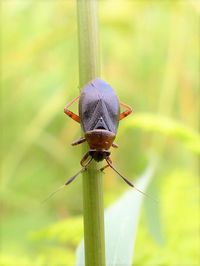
(127,111)
(79,141)
(70,113)
(82,170)
(107,165)
(83,161)
(104,167)
(114,145)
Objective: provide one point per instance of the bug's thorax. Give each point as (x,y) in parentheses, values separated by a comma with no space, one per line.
(99,139)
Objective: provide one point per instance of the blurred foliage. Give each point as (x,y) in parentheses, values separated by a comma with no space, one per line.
(150,55)
(166,126)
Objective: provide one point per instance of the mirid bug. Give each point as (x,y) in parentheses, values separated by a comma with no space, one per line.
(99,116)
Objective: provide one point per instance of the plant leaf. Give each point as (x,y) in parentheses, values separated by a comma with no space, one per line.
(121,221)
(153,215)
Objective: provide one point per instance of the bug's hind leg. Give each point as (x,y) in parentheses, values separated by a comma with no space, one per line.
(127,111)
(70,113)
(79,141)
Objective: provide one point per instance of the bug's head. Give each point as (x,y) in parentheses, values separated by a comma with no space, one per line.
(99,155)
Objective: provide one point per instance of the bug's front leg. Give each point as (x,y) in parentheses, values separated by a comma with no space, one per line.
(114,145)
(107,165)
(79,141)
(103,168)
(83,161)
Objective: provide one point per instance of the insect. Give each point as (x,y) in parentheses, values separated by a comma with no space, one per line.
(99,116)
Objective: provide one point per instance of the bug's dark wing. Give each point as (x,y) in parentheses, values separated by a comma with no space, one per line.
(99,106)
(87,104)
(111,106)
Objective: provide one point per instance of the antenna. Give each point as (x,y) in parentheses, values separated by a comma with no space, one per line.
(84,168)
(126,180)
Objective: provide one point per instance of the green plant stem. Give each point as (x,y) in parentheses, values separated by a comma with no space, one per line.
(89,68)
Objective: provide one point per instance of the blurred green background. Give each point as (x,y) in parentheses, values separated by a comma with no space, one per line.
(150,55)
